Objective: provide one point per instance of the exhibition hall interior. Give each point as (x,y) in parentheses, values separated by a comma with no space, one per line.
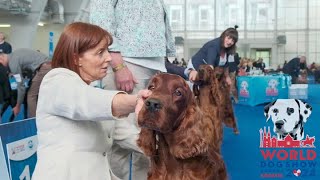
(159,89)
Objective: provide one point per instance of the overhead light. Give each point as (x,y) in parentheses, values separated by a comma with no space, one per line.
(5,25)
(8,25)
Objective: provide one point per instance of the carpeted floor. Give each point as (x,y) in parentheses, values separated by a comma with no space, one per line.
(242,153)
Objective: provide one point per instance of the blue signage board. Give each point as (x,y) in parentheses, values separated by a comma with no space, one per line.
(51,34)
(18,149)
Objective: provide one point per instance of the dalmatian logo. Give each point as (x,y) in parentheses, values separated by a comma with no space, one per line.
(288,117)
(244,92)
(272,89)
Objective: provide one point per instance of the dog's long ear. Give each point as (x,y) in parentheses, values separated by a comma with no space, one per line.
(147,142)
(267,108)
(305,110)
(191,138)
(195,89)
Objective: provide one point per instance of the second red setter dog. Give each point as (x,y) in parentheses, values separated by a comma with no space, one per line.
(215,95)
(175,135)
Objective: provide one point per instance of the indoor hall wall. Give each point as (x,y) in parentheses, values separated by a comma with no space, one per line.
(41,42)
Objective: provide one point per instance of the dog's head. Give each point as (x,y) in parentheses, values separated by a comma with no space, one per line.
(167,106)
(287,114)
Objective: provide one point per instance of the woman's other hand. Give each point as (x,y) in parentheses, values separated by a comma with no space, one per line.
(193,75)
(141,97)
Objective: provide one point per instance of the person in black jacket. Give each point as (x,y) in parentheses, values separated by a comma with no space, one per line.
(4,87)
(214,52)
(293,67)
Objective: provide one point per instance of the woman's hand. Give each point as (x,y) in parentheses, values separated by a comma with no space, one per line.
(141,97)
(193,75)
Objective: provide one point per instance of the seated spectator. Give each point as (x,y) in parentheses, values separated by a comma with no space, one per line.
(245,67)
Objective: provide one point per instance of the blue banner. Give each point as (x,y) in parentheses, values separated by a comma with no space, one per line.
(255,90)
(50,44)
(19,145)
(3,165)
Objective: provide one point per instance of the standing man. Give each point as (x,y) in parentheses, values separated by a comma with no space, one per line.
(293,67)
(22,60)
(5,47)
(141,38)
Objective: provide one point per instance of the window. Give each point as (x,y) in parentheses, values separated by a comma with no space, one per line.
(204,17)
(176,17)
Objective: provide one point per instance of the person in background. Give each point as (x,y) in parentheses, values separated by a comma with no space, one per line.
(215,53)
(5,47)
(4,88)
(183,63)
(72,143)
(20,60)
(142,37)
(175,61)
(175,69)
(260,64)
(294,66)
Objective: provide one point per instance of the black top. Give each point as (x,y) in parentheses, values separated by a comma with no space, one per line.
(233,65)
(5,48)
(292,67)
(208,54)
(4,84)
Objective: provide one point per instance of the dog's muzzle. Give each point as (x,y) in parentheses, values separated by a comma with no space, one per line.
(153,104)
(279,124)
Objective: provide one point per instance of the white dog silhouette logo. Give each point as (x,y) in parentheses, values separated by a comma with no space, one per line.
(288,117)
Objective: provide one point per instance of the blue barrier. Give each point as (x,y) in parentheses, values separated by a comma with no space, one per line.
(255,90)
(18,142)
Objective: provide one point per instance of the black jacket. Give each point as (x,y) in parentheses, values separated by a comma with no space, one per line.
(4,84)
(208,54)
(292,67)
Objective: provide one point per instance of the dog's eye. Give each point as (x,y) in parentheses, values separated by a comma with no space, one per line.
(275,110)
(177,93)
(308,106)
(151,87)
(305,112)
(290,110)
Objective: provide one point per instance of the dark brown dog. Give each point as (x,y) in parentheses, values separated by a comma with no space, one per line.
(209,97)
(175,135)
(215,95)
(225,102)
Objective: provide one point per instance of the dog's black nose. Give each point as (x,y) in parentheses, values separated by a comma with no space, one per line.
(279,124)
(153,104)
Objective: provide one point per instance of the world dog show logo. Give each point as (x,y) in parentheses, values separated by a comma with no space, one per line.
(290,152)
